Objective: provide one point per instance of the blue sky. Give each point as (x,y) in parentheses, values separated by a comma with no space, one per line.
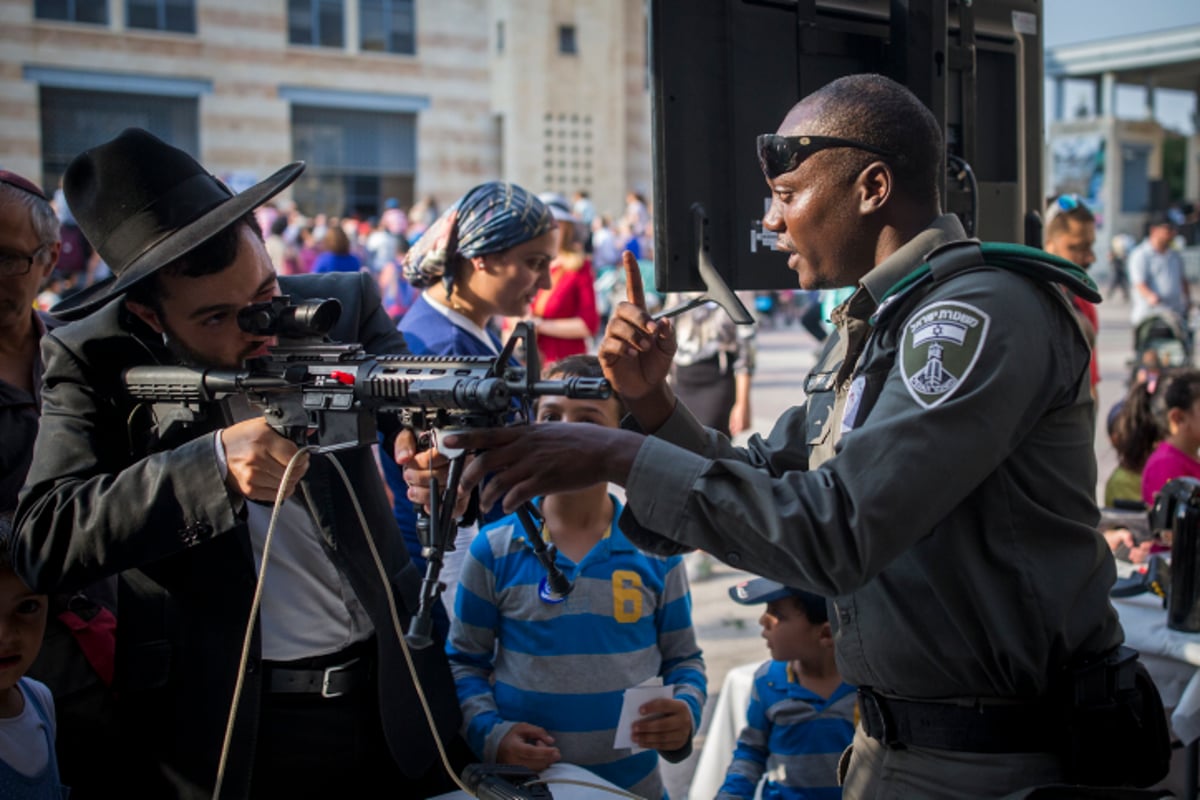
(1071,21)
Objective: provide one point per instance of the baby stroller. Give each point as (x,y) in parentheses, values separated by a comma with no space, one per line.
(1161,341)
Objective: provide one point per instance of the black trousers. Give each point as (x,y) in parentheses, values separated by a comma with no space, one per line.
(310,746)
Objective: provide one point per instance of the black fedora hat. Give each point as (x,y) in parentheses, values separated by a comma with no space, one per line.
(142,204)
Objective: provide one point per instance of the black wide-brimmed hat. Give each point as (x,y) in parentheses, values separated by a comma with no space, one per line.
(142,204)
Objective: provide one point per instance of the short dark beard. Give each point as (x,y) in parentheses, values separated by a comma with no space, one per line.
(181,351)
(190,357)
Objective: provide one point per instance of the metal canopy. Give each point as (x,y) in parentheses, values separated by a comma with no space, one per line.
(1165,59)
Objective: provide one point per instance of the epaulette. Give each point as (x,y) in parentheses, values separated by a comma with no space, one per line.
(955,257)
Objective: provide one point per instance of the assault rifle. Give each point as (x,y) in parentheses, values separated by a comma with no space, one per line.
(325,394)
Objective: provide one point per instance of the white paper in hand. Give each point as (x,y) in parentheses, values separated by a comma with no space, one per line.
(635,698)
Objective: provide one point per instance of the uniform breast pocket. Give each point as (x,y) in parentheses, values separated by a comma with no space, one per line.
(864,392)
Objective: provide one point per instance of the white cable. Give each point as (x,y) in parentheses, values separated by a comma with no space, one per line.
(258,590)
(412,668)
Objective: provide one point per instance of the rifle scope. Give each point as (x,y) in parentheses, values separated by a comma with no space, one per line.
(279,317)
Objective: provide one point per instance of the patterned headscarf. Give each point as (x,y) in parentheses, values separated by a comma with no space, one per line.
(490,218)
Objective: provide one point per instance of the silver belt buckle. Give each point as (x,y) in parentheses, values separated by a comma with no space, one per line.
(329,672)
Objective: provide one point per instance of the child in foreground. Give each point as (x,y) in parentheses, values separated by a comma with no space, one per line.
(541,678)
(28,767)
(802,715)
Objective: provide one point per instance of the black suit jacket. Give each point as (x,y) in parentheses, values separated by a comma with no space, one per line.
(105,495)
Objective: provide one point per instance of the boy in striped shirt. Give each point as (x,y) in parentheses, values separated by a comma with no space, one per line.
(802,714)
(541,678)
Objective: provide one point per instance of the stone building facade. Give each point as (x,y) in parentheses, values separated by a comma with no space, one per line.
(404,99)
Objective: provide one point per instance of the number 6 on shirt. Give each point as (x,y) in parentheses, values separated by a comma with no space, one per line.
(627,595)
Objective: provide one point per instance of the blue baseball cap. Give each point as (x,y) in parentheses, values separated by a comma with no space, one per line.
(763,590)
(759,590)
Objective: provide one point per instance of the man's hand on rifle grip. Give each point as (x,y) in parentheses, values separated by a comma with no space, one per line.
(419,466)
(257,458)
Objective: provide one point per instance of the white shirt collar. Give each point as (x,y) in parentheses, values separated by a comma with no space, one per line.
(460,321)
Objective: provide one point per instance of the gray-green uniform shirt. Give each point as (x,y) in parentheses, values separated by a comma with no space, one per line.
(955,528)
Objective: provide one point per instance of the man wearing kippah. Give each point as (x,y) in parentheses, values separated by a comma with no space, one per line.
(29,250)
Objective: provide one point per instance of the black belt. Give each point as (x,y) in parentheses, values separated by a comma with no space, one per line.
(335,675)
(976,728)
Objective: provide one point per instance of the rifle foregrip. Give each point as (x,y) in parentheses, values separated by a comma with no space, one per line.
(446,392)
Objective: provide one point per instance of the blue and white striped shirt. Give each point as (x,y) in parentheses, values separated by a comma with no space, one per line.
(565,666)
(794,736)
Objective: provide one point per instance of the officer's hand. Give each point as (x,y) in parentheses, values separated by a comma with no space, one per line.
(257,457)
(420,468)
(665,725)
(637,352)
(522,462)
(528,745)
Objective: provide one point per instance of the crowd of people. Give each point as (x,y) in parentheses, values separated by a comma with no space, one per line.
(924,524)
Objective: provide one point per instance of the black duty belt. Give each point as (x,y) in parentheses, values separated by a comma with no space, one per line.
(975,728)
(352,671)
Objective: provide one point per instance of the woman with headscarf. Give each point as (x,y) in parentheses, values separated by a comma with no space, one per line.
(486,256)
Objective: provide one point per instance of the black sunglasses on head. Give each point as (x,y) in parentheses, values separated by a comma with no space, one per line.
(779,154)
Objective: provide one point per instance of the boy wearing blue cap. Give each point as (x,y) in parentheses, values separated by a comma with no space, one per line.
(802,715)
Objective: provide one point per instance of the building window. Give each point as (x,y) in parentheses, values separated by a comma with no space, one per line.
(94,11)
(178,16)
(568,166)
(357,159)
(566,40)
(320,23)
(387,26)
(75,119)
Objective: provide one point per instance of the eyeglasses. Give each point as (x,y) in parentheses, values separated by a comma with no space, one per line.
(12,265)
(779,154)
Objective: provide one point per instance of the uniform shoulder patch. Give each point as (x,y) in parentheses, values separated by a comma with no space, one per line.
(940,346)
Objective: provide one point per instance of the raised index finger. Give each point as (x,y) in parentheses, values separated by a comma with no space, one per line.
(634,291)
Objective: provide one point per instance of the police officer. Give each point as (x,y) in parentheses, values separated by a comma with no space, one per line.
(937,485)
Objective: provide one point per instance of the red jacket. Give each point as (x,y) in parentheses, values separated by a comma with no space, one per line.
(572,293)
